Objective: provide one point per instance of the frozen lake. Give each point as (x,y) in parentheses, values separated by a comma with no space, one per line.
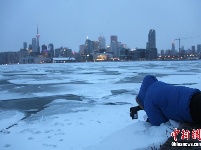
(82,105)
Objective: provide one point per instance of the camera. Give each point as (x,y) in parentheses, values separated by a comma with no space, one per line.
(133,112)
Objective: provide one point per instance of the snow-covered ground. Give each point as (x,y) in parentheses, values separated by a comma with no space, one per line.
(85,105)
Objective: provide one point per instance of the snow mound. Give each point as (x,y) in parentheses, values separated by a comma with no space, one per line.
(137,136)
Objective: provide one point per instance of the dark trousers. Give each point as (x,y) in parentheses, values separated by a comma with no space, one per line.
(195,107)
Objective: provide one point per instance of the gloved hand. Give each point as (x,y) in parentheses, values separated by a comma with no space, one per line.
(133,112)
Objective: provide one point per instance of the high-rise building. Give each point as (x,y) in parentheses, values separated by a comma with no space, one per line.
(152,39)
(34,45)
(151,45)
(173,51)
(102,43)
(95,45)
(58,52)
(193,49)
(51,50)
(82,49)
(66,52)
(182,48)
(162,52)
(51,47)
(25,45)
(23,53)
(37,37)
(114,45)
(114,49)
(30,48)
(88,47)
(199,48)
(113,38)
(120,47)
(44,47)
(173,46)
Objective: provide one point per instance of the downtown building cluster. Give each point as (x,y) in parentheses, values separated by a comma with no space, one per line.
(117,51)
(96,51)
(35,54)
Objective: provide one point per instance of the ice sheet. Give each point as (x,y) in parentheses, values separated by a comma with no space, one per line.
(8,118)
(86,104)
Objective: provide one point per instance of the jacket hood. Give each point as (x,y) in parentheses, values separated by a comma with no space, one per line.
(147,81)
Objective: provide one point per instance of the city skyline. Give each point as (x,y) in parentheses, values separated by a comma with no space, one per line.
(93,51)
(68,23)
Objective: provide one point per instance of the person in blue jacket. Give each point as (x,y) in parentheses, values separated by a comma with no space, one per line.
(162,101)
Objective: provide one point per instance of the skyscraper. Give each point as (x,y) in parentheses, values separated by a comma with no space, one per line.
(82,49)
(37,37)
(51,50)
(151,45)
(113,38)
(199,48)
(193,49)
(95,45)
(88,47)
(114,45)
(173,51)
(44,47)
(102,44)
(51,47)
(25,45)
(34,45)
(152,39)
(173,46)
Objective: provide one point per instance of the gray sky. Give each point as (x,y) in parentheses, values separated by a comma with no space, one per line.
(68,22)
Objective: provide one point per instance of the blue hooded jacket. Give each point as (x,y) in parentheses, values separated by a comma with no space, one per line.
(162,101)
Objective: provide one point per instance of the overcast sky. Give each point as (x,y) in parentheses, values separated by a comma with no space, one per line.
(68,22)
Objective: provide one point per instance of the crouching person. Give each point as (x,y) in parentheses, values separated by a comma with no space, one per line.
(162,101)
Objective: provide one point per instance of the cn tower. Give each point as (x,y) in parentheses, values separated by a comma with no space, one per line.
(37,37)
